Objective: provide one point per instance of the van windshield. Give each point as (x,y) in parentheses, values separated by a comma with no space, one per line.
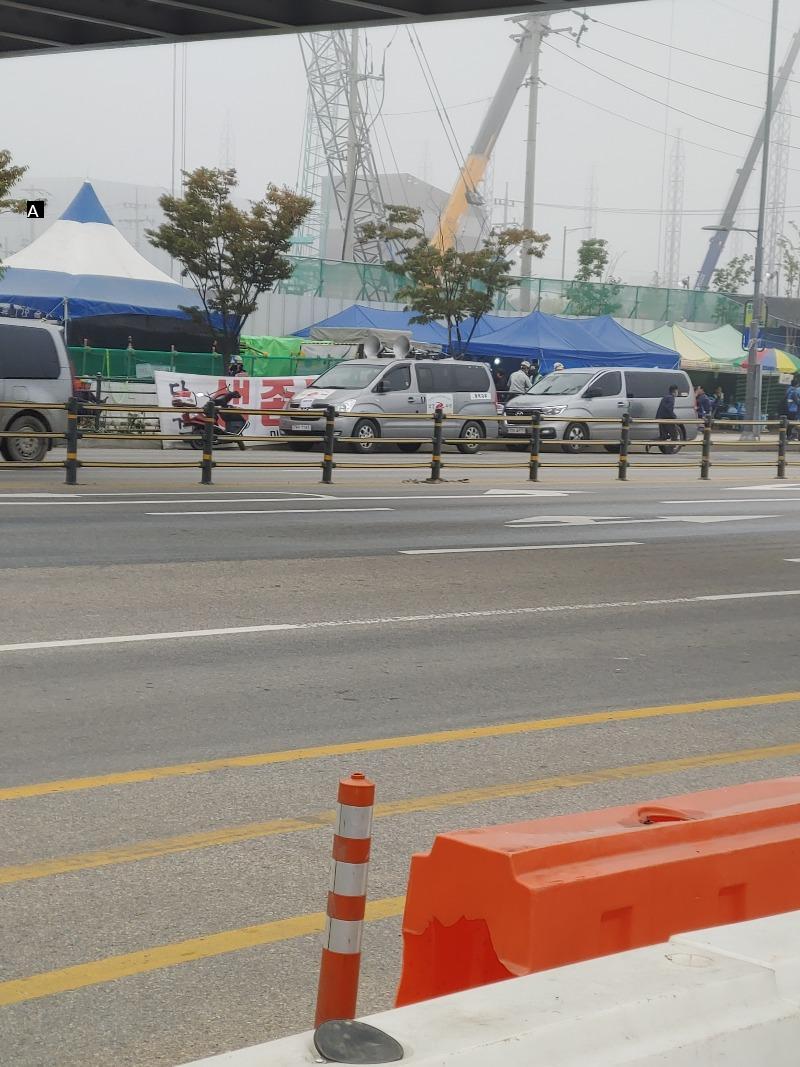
(563,383)
(349,376)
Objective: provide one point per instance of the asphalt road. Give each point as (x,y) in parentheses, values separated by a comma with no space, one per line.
(166,791)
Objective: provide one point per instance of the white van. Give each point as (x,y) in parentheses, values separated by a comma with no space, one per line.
(34,369)
(364,390)
(568,399)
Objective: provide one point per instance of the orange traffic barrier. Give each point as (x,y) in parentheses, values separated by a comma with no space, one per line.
(494,903)
(347,900)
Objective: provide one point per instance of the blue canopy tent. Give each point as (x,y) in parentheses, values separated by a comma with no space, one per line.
(574,342)
(364,317)
(81,271)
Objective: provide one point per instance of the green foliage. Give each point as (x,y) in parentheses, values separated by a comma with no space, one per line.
(736,273)
(10,174)
(230,255)
(447,284)
(592,259)
(790,262)
(589,294)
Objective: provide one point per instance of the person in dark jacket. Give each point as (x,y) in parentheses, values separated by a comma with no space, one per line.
(666,410)
(702,402)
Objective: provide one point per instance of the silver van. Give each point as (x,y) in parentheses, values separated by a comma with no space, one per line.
(364,390)
(569,398)
(34,369)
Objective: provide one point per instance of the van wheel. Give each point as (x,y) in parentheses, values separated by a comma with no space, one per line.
(575,437)
(4,448)
(409,446)
(367,434)
(469,442)
(27,449)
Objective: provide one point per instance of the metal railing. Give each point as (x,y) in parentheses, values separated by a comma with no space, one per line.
(618,435)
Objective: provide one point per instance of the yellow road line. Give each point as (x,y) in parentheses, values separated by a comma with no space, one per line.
(470,733)
(233,835)
(98,972)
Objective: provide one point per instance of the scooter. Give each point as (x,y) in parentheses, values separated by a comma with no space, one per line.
(229,424)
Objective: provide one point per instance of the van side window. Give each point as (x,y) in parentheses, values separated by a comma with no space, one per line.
(452,378)
(608,384)
(26,352)
(436,379)
(652,385)
(471,379)
(397,379)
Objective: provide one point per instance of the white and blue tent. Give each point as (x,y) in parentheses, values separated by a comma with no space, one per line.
(82,270)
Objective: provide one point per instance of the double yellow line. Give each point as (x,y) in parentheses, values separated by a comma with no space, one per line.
(79,976)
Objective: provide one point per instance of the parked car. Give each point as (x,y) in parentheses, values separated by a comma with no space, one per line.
(365,391)
(34,369)
(569,398)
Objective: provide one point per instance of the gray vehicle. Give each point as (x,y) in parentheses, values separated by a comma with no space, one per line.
(569,399)
(364,391)
(34,369)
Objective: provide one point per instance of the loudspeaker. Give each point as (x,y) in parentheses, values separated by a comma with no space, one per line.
(371,346)
(401,347)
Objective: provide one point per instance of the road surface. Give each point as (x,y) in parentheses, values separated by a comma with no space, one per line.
(186,674)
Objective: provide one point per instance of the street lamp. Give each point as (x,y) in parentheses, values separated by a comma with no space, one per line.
(568,230)
(732,229)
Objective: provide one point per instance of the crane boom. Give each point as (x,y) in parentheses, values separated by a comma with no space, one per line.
(477,161)
(717,242)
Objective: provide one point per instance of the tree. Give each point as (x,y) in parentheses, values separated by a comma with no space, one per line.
(736,273)
(790,262)
(10,174)
(446,283)
(230,255)
(592,293)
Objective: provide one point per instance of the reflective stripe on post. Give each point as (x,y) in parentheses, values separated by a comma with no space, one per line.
(347,900)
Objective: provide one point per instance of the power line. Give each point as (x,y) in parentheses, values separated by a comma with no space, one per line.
(652,129)
(676,81)
(685,51)
(433,110)
(655,100)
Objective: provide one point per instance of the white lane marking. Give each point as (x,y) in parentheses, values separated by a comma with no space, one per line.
(532,492)
(554,521)
(733,500)
(770,486)
(268,511)
(513,548)
(792,560)
(396,620)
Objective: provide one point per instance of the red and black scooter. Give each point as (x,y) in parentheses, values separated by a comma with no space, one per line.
(229,424)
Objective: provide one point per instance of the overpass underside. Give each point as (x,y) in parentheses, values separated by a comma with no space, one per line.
(65,25)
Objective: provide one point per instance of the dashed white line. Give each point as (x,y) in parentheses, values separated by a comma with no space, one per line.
(392,620)
(268,511)
(513,548)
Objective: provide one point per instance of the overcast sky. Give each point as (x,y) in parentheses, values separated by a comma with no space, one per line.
(108,115)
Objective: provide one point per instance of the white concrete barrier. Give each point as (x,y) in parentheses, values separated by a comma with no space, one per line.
(730,995)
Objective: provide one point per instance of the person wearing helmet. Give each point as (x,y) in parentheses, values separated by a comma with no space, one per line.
(519,382)
(558,366)
(235,367)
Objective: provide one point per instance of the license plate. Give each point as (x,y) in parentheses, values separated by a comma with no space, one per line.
(297,425)
(517,429)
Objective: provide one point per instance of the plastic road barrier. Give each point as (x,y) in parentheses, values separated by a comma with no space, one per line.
(728,996)
(503,901)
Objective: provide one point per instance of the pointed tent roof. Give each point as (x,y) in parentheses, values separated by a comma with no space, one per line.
(84,259)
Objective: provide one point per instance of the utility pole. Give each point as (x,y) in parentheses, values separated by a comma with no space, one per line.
(539,28)
(753,393)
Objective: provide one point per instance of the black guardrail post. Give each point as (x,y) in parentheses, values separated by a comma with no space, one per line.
(705,455)
(97,399)
(624,447)
(207,463)
(328,445)
(438,438)
(782,448)
(71,463)
(536,444)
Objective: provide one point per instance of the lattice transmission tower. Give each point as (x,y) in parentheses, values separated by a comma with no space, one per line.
(592,203)
(337,147)
(776,196)
(673,229)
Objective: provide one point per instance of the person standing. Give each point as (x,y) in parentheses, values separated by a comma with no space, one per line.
(519,382)
(666,411)
(702,402)
(793,405)
(719,402)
